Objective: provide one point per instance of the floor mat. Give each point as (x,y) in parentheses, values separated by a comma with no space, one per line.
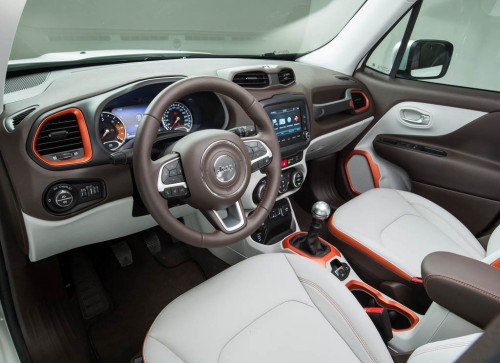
(138,292)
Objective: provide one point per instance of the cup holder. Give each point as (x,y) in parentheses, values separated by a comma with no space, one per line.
(401,317)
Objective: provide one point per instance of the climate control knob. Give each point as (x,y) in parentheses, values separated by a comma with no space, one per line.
(297,179)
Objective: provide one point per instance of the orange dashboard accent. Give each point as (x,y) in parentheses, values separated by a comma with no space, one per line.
(87,147)
(344,237)
(385,302)
(374,169)
(321,260)
(367,100)
(496,263)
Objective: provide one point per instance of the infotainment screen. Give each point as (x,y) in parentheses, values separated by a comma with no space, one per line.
(286,121)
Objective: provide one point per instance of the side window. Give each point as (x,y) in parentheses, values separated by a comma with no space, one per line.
(453,42)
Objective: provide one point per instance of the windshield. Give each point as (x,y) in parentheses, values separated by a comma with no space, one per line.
(218,27)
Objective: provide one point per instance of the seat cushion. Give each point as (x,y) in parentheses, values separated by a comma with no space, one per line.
(445,351)
(399,229)
(269,308)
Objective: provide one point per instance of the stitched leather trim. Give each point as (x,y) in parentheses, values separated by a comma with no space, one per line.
(348,239)
(337,307)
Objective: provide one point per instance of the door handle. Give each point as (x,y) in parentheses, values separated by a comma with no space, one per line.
(413,117)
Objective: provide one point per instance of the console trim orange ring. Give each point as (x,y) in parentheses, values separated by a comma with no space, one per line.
(87,146)
(374,169)
(344,237)
(321,260)
(385,302)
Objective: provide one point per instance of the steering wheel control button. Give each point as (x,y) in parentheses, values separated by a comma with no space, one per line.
(172,173)
(173,183)
(65,197)
(260,155)
(225,168)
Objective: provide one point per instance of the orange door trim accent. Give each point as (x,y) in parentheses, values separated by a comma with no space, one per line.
(496,263)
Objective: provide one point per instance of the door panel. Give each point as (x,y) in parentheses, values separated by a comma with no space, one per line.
(451,157)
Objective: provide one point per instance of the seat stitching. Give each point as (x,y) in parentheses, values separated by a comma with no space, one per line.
(441,347)
(464,238)
(257,318)
(481,291)
(373,251)
(177,355)
(342,313)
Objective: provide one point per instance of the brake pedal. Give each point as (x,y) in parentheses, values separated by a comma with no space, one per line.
(152,241)
(123,253)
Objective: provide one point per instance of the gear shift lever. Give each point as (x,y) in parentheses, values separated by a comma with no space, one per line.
(310,242)
(320,213)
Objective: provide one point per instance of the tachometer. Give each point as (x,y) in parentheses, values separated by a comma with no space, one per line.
(178,117)
(111,131)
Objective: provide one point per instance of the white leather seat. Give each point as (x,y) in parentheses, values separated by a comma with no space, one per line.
(398,229)
(270,308)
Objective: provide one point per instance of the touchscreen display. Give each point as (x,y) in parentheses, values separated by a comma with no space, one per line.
(286,121)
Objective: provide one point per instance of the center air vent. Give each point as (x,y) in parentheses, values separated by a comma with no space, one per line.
(359,101)
(286,77)
(63,139)
(252,79)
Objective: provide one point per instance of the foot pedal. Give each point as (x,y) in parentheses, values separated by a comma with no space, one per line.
(152,242)
(123,253)
(92,297)
(164,248)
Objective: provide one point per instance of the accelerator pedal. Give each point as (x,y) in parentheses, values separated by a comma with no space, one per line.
(92,297)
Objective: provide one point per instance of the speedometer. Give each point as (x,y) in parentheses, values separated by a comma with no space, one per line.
(177,117)
(111,131)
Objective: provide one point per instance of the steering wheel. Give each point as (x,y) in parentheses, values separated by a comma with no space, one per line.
(209,169)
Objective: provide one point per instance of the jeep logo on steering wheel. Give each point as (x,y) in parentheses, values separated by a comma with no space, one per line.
(225,168)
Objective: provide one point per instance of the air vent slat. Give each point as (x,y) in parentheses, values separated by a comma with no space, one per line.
(58,135)
(286,76)
(252,79)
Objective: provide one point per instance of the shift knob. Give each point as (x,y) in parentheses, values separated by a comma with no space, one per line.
(320,210)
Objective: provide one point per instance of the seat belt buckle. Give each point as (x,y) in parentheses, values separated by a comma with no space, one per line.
(381,320)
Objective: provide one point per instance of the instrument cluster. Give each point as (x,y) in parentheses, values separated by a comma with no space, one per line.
(120,118)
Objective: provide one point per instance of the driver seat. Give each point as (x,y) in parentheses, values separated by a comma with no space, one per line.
(273,308)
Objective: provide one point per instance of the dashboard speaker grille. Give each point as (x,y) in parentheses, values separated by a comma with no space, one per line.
(63,138)
(286,77)
(252,79)
(24,82)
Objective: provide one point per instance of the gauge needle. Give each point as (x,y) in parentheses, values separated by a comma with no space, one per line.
(105,133)
(176,121)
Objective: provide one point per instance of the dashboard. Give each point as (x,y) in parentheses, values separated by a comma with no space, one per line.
(67,142)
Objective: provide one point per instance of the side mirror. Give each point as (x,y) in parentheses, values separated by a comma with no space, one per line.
(426,59)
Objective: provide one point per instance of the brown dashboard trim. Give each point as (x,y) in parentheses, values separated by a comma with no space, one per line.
(87,147)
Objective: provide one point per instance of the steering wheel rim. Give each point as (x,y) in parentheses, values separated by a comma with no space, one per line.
(195,161)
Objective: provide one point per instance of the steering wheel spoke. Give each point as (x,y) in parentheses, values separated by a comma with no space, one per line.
(228,220)
(260,154)
(171,179)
